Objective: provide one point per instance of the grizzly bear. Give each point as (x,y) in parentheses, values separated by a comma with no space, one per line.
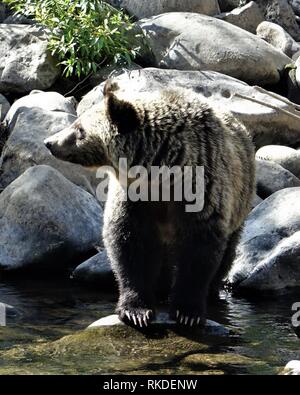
(157,246)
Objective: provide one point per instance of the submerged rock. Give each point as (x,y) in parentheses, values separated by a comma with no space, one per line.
(46,221)
(217,360)
(120,349)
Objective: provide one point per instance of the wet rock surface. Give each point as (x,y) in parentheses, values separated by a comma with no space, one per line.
(162,321)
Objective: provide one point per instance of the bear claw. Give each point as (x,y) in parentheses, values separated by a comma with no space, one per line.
(139,318)
(187,320)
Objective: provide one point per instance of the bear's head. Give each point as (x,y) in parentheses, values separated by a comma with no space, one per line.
(90,139)
(145,128)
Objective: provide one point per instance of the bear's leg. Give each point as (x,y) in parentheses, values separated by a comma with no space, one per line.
(225,266)
(199,259)
(134,251)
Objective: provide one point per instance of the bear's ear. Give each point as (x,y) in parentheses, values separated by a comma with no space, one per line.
(121,113)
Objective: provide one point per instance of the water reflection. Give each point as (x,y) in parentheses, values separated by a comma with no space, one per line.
(49,310)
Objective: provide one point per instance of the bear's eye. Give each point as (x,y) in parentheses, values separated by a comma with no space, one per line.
(80,133)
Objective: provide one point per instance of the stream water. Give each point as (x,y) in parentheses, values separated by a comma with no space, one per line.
(45,311)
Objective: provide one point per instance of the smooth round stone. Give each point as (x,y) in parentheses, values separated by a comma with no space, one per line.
(292,369)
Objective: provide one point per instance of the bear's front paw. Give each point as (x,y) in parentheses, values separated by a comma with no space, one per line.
(135,316)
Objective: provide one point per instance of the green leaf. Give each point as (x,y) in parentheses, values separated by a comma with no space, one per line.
(82,33)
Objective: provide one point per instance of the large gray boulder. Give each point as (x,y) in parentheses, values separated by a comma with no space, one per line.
(146,8)
(189,41)
(271,177)
(269,118)
(268,255)
(247,17)
(50,101)
(278,37)
(287,157)
(25,147)
(26,63)
(46,221)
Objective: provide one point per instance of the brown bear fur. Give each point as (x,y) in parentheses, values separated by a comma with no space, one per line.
(158,244)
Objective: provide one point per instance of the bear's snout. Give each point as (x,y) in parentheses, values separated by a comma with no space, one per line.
(48,144)
(51,143)
(62,144)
